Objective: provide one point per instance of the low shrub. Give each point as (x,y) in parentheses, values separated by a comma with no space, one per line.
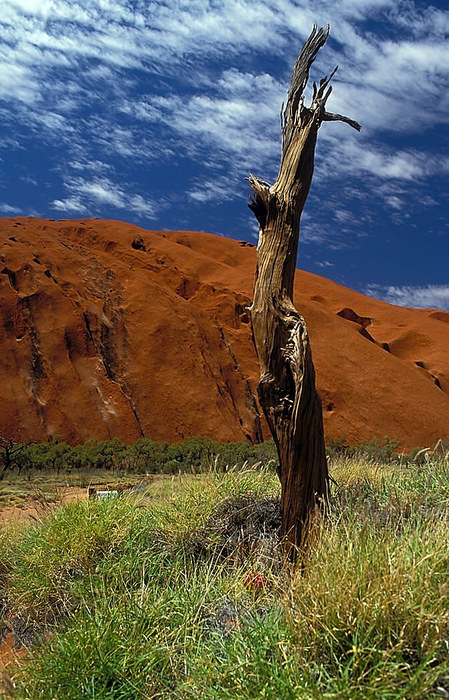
(193,455)
(380,451)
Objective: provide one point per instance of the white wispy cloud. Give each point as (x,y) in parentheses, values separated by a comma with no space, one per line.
(219,189)
(364,156)
(10,210)
(163,32)
(60,61)
(325,264)
(379,77)
(70,205)
(431,296)
(96,195)
(235,121)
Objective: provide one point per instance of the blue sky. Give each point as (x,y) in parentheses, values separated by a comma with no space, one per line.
(154,112)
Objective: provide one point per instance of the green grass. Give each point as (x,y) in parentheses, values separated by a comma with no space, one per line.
(153,596)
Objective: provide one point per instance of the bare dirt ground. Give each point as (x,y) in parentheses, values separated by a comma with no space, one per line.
(24,499)
(34,510)
(10,654)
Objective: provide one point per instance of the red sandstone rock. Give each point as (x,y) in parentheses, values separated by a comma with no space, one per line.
(110,330)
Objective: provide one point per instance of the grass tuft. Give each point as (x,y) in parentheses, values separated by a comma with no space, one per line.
(177,593)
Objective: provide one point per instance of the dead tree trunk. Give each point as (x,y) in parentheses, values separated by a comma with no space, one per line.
(286,388)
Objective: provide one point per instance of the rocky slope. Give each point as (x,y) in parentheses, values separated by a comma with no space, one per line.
(110,330)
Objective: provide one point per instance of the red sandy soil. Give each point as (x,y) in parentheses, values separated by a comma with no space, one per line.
(109,330)
(35,510)
(10,656)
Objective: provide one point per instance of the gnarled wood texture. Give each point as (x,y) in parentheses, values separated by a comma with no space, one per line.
(286,387)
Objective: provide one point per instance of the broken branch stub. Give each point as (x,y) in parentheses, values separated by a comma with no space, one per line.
(286,387)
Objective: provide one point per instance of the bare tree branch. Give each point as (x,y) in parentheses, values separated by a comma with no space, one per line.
(329,117)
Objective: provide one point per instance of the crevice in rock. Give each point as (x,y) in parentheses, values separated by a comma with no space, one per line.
(89,335)
(366,335)
(138,243)
(242,313)
(363,322)
(134,411)
(12,278)
(351,315)
(250,398)
(437,382)
(36,361)
(422,365)
(112,334)
(227,345)
(187,289)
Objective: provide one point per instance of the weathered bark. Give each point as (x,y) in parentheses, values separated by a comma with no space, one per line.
(286,388)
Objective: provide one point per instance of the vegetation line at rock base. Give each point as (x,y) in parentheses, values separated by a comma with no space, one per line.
(180,594)
(192,455)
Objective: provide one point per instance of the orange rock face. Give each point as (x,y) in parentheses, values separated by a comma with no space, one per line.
(110,330)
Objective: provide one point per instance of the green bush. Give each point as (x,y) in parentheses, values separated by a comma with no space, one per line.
(193,455)
(384,451)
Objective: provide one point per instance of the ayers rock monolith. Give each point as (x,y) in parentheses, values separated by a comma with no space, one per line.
(107,329)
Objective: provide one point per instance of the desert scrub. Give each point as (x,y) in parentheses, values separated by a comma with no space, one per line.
(149,641)
(382,492)
(370,611)
(144,603)
(160,606)
(47,562)
(193,455)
